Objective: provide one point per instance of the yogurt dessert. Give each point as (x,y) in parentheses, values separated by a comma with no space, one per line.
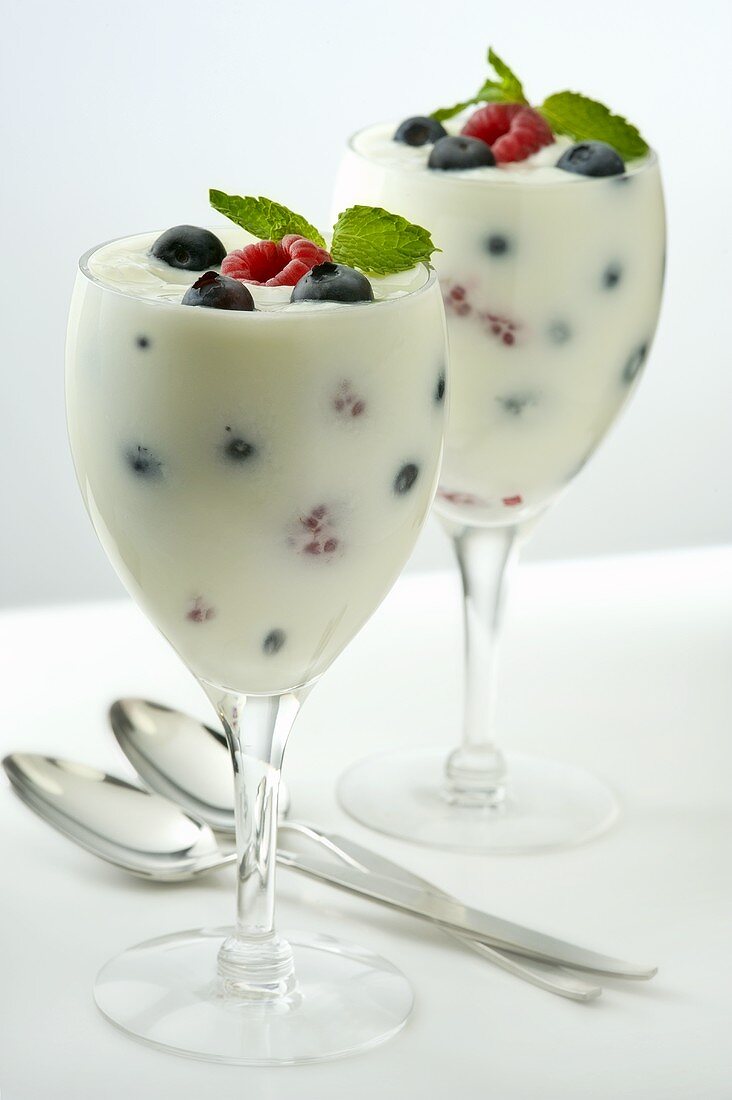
(256,419)
(257,468)
(551,266)
(550,225)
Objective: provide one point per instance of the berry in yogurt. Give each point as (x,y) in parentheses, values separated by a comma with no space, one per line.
(258,470)
(549,273)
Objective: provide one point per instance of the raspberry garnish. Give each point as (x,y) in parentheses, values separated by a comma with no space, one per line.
(274,263)
(512,130)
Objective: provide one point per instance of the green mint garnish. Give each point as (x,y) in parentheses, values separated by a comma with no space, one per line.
(263,218)
(585,119)
(507,89)
(567,113)
(366,237)
(379,243)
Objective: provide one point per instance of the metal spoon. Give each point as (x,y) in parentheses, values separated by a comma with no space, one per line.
(124,825)
(180,758)
(148,836)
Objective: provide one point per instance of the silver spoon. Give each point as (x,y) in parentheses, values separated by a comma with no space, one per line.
(124,825)
(148,836)
(182,759)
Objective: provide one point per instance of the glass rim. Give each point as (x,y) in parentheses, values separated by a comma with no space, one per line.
(650,160)
(280,314)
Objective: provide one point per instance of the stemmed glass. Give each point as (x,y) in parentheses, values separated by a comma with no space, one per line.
(552,288)
(258,480)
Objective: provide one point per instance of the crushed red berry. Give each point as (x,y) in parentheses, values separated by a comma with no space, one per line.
(347,402)
(274,263)
(468,499)
(513,130)
(199,612)
(511,502)
(501,327)
(314,534)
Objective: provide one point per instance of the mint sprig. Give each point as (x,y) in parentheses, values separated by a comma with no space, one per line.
(262,217)
(507,89)
(577,116)
(378,242)
(585,119)
(367,237)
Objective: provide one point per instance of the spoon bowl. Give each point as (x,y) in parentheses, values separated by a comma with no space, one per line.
(180,758)
(140,832)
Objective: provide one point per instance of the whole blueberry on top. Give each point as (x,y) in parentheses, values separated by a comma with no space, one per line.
(332,283)
(216,291)
(419,130)
(592,158)
(189,248)
(452,153)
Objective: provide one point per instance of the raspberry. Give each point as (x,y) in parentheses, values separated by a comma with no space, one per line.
(461,498)
(502,328)
(512,130)
(315,533)
(347,402)
(199,612)
(274,263)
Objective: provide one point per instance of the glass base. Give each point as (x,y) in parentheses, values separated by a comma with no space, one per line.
(547,805)
(166,993)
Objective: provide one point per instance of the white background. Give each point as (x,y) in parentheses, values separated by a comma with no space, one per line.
(117,117)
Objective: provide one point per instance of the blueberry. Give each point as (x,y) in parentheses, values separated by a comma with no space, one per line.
(419,130)
(238,449)
(611,276)
(515,403)
(406,478)
(143,341)
(189,248)
(559,332)
(274,642)
(497,245)
(592,158)
(440,389)
(634,363)
(332,283)
(218,292)
(143,462)
(451,153)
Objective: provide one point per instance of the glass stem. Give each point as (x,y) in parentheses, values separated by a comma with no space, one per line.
(476,772)
(254,963)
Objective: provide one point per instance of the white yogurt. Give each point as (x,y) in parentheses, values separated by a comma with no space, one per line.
(257,479)
(552,283)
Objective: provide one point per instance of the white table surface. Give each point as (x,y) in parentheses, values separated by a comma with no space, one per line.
(623,665)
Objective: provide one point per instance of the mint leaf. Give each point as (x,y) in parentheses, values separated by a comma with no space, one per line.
(507,89)
(263,218)
(585,119)
(447,112)
(379,243)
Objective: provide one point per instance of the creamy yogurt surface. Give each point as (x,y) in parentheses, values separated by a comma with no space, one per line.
(129,266)
(376,143)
